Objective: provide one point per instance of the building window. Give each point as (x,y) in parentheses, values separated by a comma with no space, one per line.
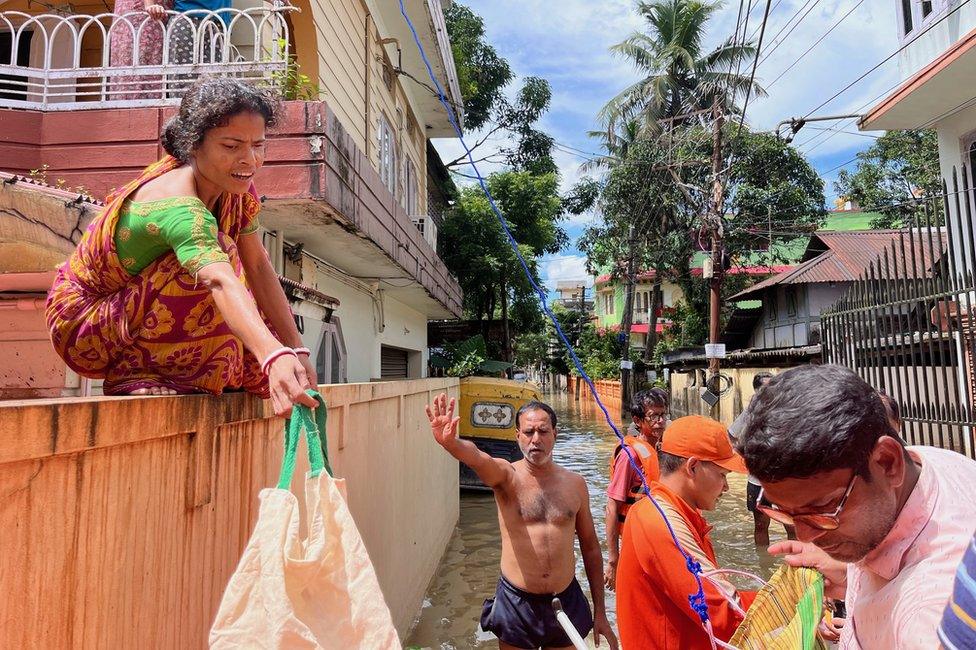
(772,307)
(410,193)
(791,301)
(330,364)
(14,86)
(394,363)
(906,16)
(387,155)
(926,8)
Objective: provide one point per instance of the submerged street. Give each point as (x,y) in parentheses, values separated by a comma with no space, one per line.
(469,569)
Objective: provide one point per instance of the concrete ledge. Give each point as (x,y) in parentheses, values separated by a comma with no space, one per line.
(123,517)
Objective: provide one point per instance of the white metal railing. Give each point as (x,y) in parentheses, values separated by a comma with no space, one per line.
(69,62)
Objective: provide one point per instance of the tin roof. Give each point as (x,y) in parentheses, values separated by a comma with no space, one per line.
(847,256)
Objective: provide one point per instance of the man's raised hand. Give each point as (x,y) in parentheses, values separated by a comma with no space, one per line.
(443,424)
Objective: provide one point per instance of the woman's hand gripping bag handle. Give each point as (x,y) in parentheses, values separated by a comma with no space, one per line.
(316,590)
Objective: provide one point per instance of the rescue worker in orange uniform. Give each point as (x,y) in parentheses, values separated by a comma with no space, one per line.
(649,412)
(653,581)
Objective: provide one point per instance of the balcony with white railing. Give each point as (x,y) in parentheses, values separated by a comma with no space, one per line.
(55,62)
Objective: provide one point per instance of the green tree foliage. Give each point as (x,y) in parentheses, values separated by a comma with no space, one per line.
(678,74)
(773,195)
(466,358)
(482,73)
(898,168)
(531,348)
(478,253)
(483,76)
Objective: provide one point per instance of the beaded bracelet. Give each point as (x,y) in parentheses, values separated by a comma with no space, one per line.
(307,352)
(274,356)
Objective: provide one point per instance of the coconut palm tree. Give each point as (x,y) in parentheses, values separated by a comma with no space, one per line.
(617,141)
(678,75)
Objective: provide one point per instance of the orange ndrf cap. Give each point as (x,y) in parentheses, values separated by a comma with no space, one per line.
(702,438)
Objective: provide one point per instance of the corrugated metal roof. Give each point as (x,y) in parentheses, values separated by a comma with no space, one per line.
(847,256)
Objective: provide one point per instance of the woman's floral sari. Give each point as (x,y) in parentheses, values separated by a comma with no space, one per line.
(158,328)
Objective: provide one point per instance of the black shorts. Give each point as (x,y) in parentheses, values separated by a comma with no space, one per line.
(527,620)
(752,493)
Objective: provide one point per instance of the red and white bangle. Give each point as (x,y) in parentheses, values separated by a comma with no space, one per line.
(304,351)
(274,356)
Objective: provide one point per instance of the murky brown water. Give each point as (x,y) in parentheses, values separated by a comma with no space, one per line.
(469,570)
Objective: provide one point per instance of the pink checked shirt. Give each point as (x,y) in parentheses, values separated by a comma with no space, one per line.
(896,594)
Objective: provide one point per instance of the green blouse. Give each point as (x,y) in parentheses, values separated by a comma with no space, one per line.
(147,230)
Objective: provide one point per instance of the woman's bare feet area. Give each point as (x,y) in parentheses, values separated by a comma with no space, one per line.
(154,390)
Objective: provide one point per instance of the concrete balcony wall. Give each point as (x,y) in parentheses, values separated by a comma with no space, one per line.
(320,188)
(123,518)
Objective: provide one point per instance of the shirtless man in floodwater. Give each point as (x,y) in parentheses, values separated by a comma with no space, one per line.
(542,509)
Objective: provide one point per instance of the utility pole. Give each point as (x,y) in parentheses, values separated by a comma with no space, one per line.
(715,224)
(579,330)
(626,366)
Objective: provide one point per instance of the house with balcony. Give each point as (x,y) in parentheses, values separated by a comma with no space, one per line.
(937,65)
(167,486)
(348,180)
(572,295)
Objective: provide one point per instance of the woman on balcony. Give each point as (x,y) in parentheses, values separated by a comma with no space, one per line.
(133,20)
(171,290)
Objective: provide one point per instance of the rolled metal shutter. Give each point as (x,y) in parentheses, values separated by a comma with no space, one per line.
(393,363)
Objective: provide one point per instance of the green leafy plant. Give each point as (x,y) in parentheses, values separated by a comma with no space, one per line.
(291,82)
(467,358)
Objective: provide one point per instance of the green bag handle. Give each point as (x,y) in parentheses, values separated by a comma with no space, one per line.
(315,437)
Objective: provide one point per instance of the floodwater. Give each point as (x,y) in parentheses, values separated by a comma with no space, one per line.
(468,571)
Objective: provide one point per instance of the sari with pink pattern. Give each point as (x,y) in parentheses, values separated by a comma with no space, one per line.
(158,328)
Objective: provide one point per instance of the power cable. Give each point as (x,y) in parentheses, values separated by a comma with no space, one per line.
(840,92)
(818,42)
(776,43)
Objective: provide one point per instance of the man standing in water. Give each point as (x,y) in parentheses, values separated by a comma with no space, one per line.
(649,412)
(542,509)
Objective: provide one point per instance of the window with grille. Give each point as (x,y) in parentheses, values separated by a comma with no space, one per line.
(387,155)
(410,188)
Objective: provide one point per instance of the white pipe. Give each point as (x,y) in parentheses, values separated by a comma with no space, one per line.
(568,626)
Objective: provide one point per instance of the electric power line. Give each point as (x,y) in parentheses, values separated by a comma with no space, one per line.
(776,43)
(818,41)
(840,92)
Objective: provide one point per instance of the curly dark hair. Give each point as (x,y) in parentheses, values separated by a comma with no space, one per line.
(209,103)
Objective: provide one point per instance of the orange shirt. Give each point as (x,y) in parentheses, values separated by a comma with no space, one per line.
(653,583)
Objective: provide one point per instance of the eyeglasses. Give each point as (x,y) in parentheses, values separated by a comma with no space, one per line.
(819,520)
(656,417)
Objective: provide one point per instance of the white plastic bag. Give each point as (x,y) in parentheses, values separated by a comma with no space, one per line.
(290,592)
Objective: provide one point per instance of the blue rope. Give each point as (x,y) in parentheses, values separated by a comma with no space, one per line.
(696,600)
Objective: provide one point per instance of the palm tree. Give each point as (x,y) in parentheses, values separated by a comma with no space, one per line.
(616,140)
(678,75)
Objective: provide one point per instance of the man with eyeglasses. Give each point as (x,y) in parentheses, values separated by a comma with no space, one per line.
(649,412)
(885,524)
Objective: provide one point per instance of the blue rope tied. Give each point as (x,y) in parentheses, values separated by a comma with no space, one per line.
(696,600)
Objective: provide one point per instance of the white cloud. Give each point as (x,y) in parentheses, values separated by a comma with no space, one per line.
(559,268)
(568,44)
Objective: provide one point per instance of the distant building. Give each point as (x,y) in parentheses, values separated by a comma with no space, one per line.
(573,295)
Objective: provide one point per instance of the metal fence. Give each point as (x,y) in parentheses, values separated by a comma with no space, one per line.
(60,62)
(907,324)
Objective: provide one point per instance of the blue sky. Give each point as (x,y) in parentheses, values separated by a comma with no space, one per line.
(567,43)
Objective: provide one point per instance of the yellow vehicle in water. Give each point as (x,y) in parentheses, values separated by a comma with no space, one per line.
(487,412)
